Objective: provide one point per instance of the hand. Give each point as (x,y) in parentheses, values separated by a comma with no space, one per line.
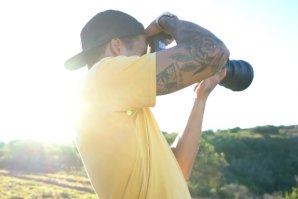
(206,86)
(154,28)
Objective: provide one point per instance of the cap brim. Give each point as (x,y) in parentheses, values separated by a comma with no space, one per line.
(76,61)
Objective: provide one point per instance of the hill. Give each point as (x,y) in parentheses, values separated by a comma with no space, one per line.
(260,162)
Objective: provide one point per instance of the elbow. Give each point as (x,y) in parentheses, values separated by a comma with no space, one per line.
(223,56)
(186,170)
(186,174)
(220,58)
(226,53)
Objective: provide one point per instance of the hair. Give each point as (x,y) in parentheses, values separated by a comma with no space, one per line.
(129,41)
(97,53)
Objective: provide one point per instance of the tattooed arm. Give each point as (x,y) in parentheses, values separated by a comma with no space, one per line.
(197,55)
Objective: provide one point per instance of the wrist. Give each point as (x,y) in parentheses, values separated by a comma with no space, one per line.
(161,20)
(201,99)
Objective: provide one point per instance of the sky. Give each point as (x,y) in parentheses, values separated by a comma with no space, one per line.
(37,93)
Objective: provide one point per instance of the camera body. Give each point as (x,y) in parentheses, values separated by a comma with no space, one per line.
(157,42)
(239,72)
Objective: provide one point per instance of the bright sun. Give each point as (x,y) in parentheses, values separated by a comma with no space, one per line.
(39,107)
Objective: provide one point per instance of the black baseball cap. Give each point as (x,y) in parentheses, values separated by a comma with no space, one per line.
(101,29)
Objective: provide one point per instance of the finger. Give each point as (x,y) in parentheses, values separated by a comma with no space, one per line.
(152,29)
(222,73)
(196,86)
(169,41)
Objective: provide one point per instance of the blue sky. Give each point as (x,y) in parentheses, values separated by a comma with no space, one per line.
(37,93)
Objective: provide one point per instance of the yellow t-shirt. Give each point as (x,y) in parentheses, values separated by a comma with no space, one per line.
(122,148)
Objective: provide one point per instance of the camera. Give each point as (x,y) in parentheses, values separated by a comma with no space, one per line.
(157,42)
(239,72)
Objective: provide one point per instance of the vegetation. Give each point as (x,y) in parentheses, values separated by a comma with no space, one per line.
(260,162)
(18,185)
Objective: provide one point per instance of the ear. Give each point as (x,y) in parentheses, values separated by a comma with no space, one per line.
(115,46)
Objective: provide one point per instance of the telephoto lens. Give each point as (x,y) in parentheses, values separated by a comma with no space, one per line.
(239,75)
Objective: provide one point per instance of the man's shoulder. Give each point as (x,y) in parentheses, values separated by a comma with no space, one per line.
(126,59)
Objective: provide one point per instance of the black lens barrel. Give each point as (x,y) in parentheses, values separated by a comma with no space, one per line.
(239,75)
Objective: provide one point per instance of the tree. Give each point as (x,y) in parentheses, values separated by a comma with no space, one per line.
(293,195)
(208,172)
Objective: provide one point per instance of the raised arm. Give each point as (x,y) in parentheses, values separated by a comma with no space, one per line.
(197,55)
(186,145)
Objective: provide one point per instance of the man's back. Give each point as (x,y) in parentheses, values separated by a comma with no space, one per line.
(123,150)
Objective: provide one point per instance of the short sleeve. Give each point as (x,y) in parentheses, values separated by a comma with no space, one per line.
(125,82)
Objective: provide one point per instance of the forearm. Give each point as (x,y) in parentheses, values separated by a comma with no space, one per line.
(197,55)
(185,32)
(186,145)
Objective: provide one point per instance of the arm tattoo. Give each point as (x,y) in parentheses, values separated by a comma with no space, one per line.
(203,46)
(201,50)
(188,64)
(197,59)
(205,52)
(168,80)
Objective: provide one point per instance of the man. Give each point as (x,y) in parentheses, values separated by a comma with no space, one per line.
(122,148)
